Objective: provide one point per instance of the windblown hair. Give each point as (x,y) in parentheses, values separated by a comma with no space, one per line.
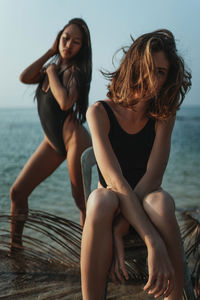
(135,79)
(80,68)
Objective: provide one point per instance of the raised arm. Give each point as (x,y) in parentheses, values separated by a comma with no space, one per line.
(33,73)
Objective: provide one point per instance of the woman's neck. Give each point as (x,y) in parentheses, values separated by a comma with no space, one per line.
(63,63)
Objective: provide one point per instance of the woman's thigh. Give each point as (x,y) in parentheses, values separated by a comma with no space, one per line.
(77,139)
(159,203)
(102,205)
(41,164)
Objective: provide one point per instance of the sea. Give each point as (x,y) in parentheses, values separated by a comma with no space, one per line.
(20,135)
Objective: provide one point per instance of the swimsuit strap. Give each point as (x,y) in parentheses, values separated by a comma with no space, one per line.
(109,111)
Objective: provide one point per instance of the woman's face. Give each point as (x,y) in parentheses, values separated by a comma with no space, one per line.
(70,42)
(162,66)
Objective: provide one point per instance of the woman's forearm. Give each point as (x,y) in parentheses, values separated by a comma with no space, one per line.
(134,213)
(58,90)
(32,73)
(64,98)
(147,185)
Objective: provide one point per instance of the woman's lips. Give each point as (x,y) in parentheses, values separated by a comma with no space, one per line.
(67,51)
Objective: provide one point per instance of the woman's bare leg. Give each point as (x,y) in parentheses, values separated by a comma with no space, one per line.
(161,210)
(97,242)
(41,164)
(76,141)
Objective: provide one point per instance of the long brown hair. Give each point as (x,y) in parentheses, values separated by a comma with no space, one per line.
(136,76)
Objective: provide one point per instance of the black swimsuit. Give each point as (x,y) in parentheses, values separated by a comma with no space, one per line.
(131,150)
(52,118)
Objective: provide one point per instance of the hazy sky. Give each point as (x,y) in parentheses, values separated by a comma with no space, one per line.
(28,29)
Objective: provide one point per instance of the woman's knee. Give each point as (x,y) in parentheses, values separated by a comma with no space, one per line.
(14,193)
(102,204)
(79,199)
(160,202)
(17,196)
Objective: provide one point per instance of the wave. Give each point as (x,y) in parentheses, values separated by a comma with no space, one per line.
(188,118)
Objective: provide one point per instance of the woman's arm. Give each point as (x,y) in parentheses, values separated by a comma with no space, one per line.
(65,94)
(33,73)
(151,180)
(158,159)
(156,166)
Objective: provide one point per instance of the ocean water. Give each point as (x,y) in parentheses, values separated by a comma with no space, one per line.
(21,133)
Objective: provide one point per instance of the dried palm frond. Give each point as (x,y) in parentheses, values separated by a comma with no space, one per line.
(52,244)
(48,265)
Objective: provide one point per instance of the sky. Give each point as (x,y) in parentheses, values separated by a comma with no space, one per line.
(28,29)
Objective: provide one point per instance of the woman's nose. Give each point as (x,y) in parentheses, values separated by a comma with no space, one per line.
(69,43)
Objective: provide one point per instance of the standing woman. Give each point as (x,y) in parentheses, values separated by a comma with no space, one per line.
(131,135)
(62,97)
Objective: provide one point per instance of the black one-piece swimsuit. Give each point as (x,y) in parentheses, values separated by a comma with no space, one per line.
(131,150)
(52,118)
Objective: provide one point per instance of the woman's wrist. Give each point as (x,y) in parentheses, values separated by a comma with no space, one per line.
(153,242)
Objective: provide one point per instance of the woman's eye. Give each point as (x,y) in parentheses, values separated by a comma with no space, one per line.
(160,73)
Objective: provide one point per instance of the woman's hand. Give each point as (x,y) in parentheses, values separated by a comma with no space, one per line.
(51,68)
(118,271)
(161,274)
(54,47)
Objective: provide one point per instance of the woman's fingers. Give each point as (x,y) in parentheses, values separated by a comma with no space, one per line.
(119,274)
(161,275)
(122,269)
(160,285)
(113,277)
(119,248)
(55,44)
(150,283)
(118,271)
(169,287)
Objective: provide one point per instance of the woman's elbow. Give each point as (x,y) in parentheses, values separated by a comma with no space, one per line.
(22,78)
(66,103)
(157,182)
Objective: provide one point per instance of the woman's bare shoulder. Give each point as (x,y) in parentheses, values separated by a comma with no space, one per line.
(96,108)
(97,114)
